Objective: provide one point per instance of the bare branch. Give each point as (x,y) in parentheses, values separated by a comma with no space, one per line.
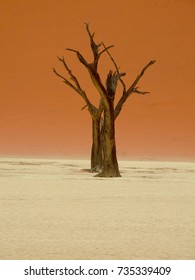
(94,46)
(71,50)
(84,107)
(131,88)
(105,49)
(59,75)
(92,72)
(92,67)
(80,57)
(73,77)
(76,87)
(135,90)
(117,68)
(65,80)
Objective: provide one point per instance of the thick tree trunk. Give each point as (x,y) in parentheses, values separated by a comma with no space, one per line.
(110,163)
(96,150)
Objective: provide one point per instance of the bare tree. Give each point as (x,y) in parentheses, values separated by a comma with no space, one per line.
(103,155)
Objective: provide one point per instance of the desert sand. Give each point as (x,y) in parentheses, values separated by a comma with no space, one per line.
(55,209)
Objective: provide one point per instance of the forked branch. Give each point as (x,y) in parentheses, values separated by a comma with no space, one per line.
(132,87)
(116,67)
(75,85)
(95,48)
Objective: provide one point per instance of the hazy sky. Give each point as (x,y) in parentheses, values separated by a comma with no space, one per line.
(39,115)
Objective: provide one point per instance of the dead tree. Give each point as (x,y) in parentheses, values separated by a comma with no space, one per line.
(107,94)
(106,133)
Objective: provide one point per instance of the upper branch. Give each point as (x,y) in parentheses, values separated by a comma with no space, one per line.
(117,68)
(92,71)
(73,77)
(132,88)
(75,85)
(65,80)
(95,48)
(80,57)
(92,67)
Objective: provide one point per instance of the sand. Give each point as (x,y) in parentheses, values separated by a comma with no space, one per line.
(54,209)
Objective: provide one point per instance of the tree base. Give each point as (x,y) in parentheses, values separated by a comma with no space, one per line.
(110,174)
(95,169)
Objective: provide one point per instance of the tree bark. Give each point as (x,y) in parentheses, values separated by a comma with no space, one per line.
(96,150)
(110,164)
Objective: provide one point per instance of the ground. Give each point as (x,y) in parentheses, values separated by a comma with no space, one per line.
(55,209)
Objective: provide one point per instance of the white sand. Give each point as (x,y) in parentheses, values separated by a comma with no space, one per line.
(52,209)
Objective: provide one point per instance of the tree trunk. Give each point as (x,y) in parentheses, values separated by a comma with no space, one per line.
(110,163)
(96,150)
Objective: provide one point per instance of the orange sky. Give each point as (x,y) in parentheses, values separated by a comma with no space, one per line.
(39,115)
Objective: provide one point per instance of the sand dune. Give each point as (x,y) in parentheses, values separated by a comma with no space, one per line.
(55,209)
